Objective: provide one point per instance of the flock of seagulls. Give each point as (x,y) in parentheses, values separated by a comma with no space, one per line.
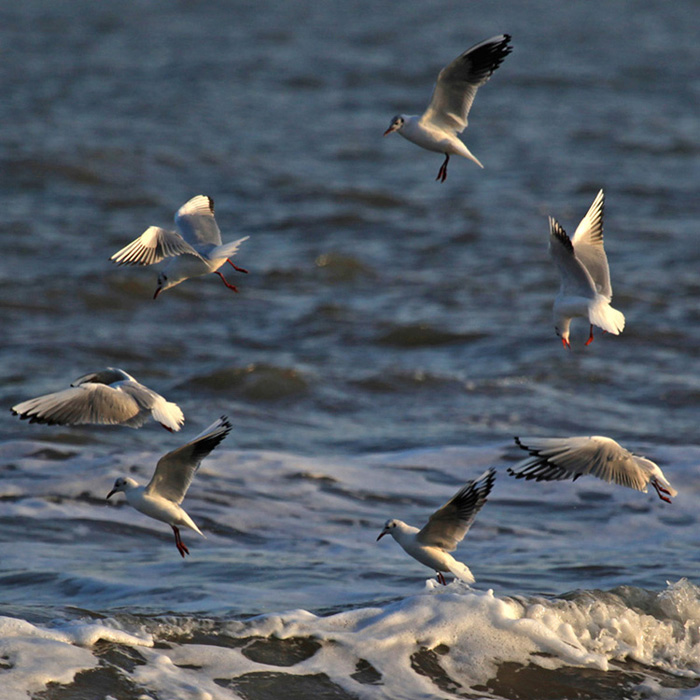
(114,397)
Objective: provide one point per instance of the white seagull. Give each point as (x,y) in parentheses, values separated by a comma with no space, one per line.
(585,277)
(195,248)
(438,127)
(444,530)
(108,397)
(555,459)
(161,497)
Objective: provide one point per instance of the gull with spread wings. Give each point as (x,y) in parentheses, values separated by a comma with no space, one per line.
(444,530)
(555,459)
(194,249)
(162,496)
(585,276)
(438,127)
(108,397)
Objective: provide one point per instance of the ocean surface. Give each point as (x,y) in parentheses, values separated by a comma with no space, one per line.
(392,336)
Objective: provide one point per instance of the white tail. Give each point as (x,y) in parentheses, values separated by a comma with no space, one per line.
(461,571)
(168,414)
(601,314)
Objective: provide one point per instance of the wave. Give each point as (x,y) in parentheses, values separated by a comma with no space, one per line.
(440,643)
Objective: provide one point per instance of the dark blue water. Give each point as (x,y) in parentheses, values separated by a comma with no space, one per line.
(383,311)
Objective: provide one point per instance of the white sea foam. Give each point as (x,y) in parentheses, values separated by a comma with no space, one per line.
(37,655)
(468,634)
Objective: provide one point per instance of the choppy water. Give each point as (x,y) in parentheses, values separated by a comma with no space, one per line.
(392,336)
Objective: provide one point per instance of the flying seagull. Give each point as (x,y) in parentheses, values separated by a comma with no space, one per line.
(162,496)
(108,397)
(194,249)
(555,459)
(438,127)
(585,277)
(444,530)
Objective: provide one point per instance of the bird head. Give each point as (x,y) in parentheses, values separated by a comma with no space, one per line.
(123,483)
(162,284)
(561,328)
(396,124)
(389,528)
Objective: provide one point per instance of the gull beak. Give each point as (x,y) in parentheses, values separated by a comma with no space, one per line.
(381,534)
(390,129)
(111,493)
(158,291)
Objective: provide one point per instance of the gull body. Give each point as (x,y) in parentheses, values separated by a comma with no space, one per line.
(445,529)
(194,249)
(585,276)
(437,129)
(108,397)
(161,497)
(555,459)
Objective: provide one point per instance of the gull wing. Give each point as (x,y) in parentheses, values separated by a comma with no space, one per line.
(588,246)
(553,459)
(87,403)
(227,250)
(111,375)
(447,526)
(175,470)
(152,246)
(195,221)
(575,279)
(458,82)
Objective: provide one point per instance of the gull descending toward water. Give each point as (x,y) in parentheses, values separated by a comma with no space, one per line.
(438,127)
(195,248)
(444,530)
(109,397)
(555,459)
(161,497)
(585,276)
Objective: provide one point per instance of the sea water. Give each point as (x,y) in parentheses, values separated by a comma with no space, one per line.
(392,336)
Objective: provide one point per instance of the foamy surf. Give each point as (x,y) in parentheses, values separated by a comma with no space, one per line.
(439,643)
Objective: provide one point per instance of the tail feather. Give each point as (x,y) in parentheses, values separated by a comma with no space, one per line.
(227,250)
(603,315)
(461,571)
(168,414)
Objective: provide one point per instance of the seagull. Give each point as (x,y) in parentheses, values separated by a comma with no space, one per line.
(555,459)
(108,397)
(446,116)
(444,530)
(585,277)
(161,497)
(195,248)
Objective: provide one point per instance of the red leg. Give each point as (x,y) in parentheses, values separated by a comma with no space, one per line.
(230,286)
(660,490)
(566,344)
(442,173)
(441,578)
(235,267)
(181,547)
(590,336)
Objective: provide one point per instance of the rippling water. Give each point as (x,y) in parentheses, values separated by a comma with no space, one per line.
(388,322)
